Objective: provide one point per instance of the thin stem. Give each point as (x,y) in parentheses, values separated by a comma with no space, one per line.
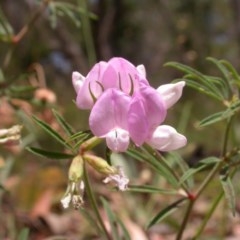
(94,203)
(156,153)
(218,165)
(185,220)
(31,22)
(87,33)
(208,215)
(25,29)
(205,183)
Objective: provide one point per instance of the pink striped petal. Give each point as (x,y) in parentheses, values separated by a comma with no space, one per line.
(109,112)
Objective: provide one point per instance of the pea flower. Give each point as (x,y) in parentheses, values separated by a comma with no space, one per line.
(124,107)
(117,73)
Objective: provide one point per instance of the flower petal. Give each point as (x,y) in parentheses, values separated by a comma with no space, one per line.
(145,113)
(171,92)
(141,69)
(92,83)
(77,80)
(118,140)
(109,112)
(137,120)
(166,138)
(128,76)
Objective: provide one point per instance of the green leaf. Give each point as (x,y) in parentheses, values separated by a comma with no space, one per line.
(95,226)
(200,166)
(23,235)
(215,117)
(49,154)
(165,212)
(112,220)
(125,233)
(67,128)
(52,132)
(229,192)
(150,189)
(232,70)
(150,157)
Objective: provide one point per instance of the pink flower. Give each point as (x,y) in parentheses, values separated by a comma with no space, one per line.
(116,73)
(124,107)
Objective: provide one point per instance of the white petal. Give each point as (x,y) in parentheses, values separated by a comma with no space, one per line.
(166,138)
(118,140)
(141,69)
(171,92)
(66,201)
(77,80)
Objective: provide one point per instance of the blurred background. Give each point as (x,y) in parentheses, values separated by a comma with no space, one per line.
(43,42)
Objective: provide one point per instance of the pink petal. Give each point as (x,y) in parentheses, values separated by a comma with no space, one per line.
(154,105)
(141,69)
(127,74)
(166,138)
(93,83)
(137,121)
(77,80)
(109,112)
(118,140)
(145,113)
(171,92)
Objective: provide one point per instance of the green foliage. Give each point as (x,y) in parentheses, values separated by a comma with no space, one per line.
(48,154)
(23,235)
(166,212)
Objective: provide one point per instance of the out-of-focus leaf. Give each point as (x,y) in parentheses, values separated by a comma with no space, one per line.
(204,163)
(112,220)
(216,117)
(49,154)
(229,192)
(51,132)
(232,70)
(6,30)
(125,233)
(67,128)
(150,189)
(71,11)
(157,164)
(165,212)
(91,220)
(192,73)
(23,235)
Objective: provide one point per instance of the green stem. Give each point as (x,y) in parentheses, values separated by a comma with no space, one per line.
(205,183)
(208,215)
(185,220)
(93,201)
(163,162)
(87,33)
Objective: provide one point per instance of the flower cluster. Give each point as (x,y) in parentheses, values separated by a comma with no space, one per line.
(125,107)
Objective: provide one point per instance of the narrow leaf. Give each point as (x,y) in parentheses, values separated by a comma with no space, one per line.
(68,129)
(229,192)
(23,235)
(165,212)
(51,132)
(200,166)
(150,189)
(49,154)
(112,219)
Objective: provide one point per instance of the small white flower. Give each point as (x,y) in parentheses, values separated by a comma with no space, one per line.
(66,200)
(119,178)
(73,195)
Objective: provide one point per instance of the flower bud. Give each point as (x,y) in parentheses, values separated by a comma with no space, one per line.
(99,164)
(76,169)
